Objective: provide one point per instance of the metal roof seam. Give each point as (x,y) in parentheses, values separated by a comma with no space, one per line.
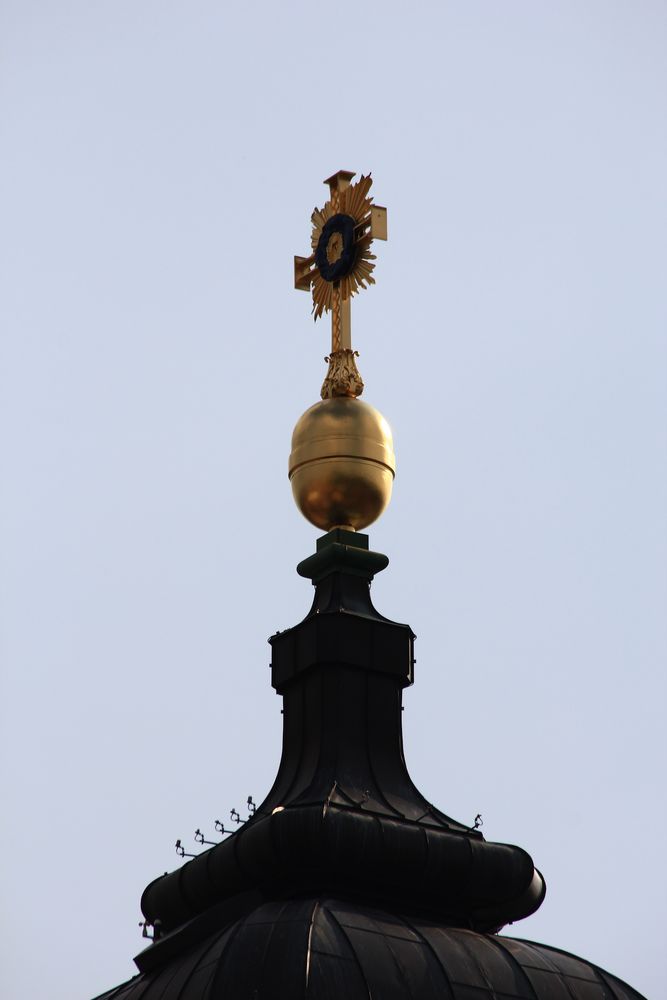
(497,943)
(309,942)
(351,947)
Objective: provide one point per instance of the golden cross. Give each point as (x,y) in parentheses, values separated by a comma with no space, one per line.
(341,262)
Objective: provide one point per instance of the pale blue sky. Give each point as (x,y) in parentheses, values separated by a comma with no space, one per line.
(159,164)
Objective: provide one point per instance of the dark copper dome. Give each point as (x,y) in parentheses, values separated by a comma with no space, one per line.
(326,949)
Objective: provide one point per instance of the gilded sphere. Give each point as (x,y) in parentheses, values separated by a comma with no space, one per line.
(342,464)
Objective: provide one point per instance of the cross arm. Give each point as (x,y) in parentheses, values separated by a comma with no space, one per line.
(378,223)
(304,272)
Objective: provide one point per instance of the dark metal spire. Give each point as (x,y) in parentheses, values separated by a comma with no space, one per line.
(343,815)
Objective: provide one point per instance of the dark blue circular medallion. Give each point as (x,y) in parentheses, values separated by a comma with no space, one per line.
(335,253)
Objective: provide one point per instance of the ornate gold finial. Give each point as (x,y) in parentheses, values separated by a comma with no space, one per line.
(342,462)
(341,263)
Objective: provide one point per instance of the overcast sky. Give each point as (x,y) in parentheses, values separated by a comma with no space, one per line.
(159,162)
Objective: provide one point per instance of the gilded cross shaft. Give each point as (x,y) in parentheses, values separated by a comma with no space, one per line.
(339,266)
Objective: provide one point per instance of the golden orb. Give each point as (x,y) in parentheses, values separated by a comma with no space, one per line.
(342,464)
